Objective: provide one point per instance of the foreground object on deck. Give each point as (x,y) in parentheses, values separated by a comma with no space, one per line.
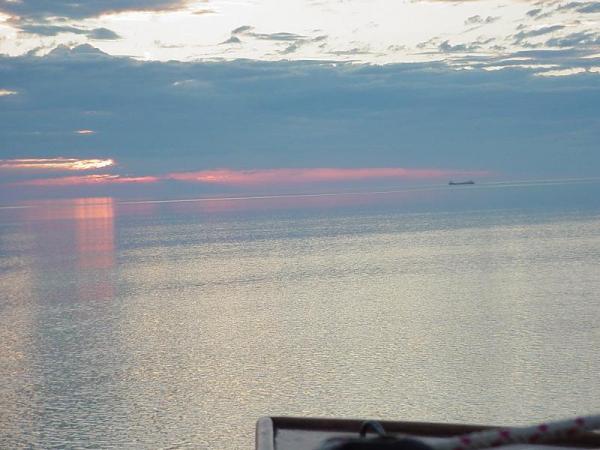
(288,433)
(544,432)
(382,441)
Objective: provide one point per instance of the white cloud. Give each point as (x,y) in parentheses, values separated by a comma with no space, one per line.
(561,72)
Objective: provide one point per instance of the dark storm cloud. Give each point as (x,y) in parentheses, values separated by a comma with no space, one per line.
(79,9)
(154,117)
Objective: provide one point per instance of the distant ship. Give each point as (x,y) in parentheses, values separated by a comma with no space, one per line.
(460,183)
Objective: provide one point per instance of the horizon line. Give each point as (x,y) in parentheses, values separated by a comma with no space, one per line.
(430,187)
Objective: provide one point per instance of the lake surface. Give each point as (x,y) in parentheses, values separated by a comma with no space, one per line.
(178,324)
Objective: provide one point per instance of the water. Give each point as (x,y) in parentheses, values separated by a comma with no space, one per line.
(174,325)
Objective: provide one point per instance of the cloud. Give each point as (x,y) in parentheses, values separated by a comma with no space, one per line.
(242,29)
(42,9)
(540,13)
(446,47)
(232,40)
(280,177)
(54,164)
(294,46)
(582,7)
(281,36)
(79,53)
(548,9)
(248,31)
(201,12)
(292,41)
(478,20)
(7,92)
(534,59)
(534,12)
(351,51)
(561,72)
(590,8)
(102,34)
(521,35)
(286,176)
(396,48)
(84,180)
(434,41)
(252,115)
(162,44)
(54,30)
(580,39)
(435,46)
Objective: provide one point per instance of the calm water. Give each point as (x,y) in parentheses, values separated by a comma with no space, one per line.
(178,324)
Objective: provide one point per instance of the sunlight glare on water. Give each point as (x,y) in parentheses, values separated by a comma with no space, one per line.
(179,324)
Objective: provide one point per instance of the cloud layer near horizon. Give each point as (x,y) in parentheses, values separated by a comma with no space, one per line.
(157,118)
(280,177)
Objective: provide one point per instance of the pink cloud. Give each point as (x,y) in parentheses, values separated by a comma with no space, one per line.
(223,177)
(313,175)
(85,180)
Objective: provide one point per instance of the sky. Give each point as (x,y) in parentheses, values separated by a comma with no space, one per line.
(147,98)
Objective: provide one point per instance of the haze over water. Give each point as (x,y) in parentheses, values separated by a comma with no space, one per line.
(178,324)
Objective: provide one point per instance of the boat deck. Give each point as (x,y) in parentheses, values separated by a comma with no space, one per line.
(295,433)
